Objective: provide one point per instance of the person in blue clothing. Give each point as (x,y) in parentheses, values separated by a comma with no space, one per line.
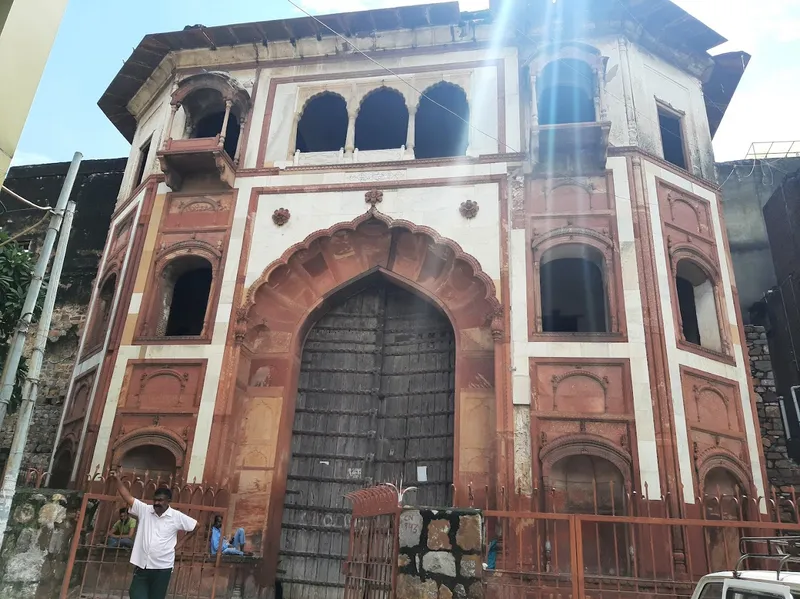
(234,547)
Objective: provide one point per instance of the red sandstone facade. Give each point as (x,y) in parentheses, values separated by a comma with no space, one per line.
(594,326)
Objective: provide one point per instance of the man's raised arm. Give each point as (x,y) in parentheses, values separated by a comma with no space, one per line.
(123,490)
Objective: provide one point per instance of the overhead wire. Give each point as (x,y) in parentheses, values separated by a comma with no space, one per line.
(500,143)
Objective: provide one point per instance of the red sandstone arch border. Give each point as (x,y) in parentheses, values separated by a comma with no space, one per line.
(589,445)
(460,254)
(150,435)
(461,289)
(611,271)
(720,458)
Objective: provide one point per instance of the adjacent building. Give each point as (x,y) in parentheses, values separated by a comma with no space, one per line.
(27,31)
(95,192)
(488,260)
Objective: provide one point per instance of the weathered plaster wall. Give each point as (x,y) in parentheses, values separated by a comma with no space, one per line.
(747,185)
(94,192)
(656,79)
(35,551)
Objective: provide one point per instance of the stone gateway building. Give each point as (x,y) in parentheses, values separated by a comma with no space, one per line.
(481,253)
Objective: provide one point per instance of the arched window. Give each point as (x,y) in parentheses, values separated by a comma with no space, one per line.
(587,484)
(382,122)
(62,469)
(205,115)
(573,290)
(698,305)
(323,126)
(565,92)
(184,296)
(158,461)
(439,133)
(102,314)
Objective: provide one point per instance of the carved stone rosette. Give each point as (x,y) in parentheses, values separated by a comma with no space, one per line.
(469,209)
(281,216)
(373,197)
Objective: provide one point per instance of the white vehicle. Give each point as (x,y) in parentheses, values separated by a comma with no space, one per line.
(779,583)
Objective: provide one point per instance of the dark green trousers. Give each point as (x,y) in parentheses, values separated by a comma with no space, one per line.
(149,584)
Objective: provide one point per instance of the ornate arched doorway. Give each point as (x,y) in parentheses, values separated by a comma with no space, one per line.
(332,276)
(375,403)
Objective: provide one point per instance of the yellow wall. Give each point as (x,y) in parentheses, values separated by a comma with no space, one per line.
(26,37)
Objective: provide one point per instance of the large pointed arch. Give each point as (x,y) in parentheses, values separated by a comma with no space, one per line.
(285,302)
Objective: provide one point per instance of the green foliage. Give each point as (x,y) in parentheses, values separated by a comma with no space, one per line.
(16,271)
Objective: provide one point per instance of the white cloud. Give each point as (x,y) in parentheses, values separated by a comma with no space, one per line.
(22,158)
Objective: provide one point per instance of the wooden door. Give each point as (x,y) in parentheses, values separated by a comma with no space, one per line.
(375,404)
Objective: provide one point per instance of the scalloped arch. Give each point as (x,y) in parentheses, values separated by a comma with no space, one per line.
(165,255)
(318,95)
(150,435)
(443,84)
(377,89)
(584,444)
(490,294)
(687,251)
(589,234)
(222,82)
(718,457)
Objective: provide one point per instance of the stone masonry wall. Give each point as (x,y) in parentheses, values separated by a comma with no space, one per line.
(95,192)
(62,347)
(782,471)
(440,554)
(35,550)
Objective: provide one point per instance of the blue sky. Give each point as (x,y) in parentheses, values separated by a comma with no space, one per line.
(96,36)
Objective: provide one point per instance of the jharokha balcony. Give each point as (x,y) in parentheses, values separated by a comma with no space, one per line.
(214,109)
(184,158)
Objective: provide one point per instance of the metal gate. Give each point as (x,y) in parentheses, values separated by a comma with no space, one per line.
(375,404)
(95,570)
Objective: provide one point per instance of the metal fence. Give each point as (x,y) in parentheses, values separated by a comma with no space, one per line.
(636,548)
(98,570)
(371,566)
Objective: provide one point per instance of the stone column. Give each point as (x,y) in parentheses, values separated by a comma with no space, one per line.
(170,121)
(240,140)
(293,134)
(350,142)
(411,136)
(228,105)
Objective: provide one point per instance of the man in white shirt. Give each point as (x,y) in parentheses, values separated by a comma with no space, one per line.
(153,554)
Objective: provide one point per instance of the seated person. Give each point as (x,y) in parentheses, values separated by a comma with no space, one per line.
(236,545)
(124,530)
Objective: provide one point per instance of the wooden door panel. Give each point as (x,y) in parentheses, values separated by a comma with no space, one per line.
(375,401)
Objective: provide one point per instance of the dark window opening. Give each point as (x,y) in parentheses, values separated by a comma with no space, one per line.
(211,126)
(672,138)
(573,291)
(62,469)
(103,314)
(566,92)
(156,460)
(691,330)
(439,133)
(698,306)
(141,167)
(186,293)
(323,126)
(382,122)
